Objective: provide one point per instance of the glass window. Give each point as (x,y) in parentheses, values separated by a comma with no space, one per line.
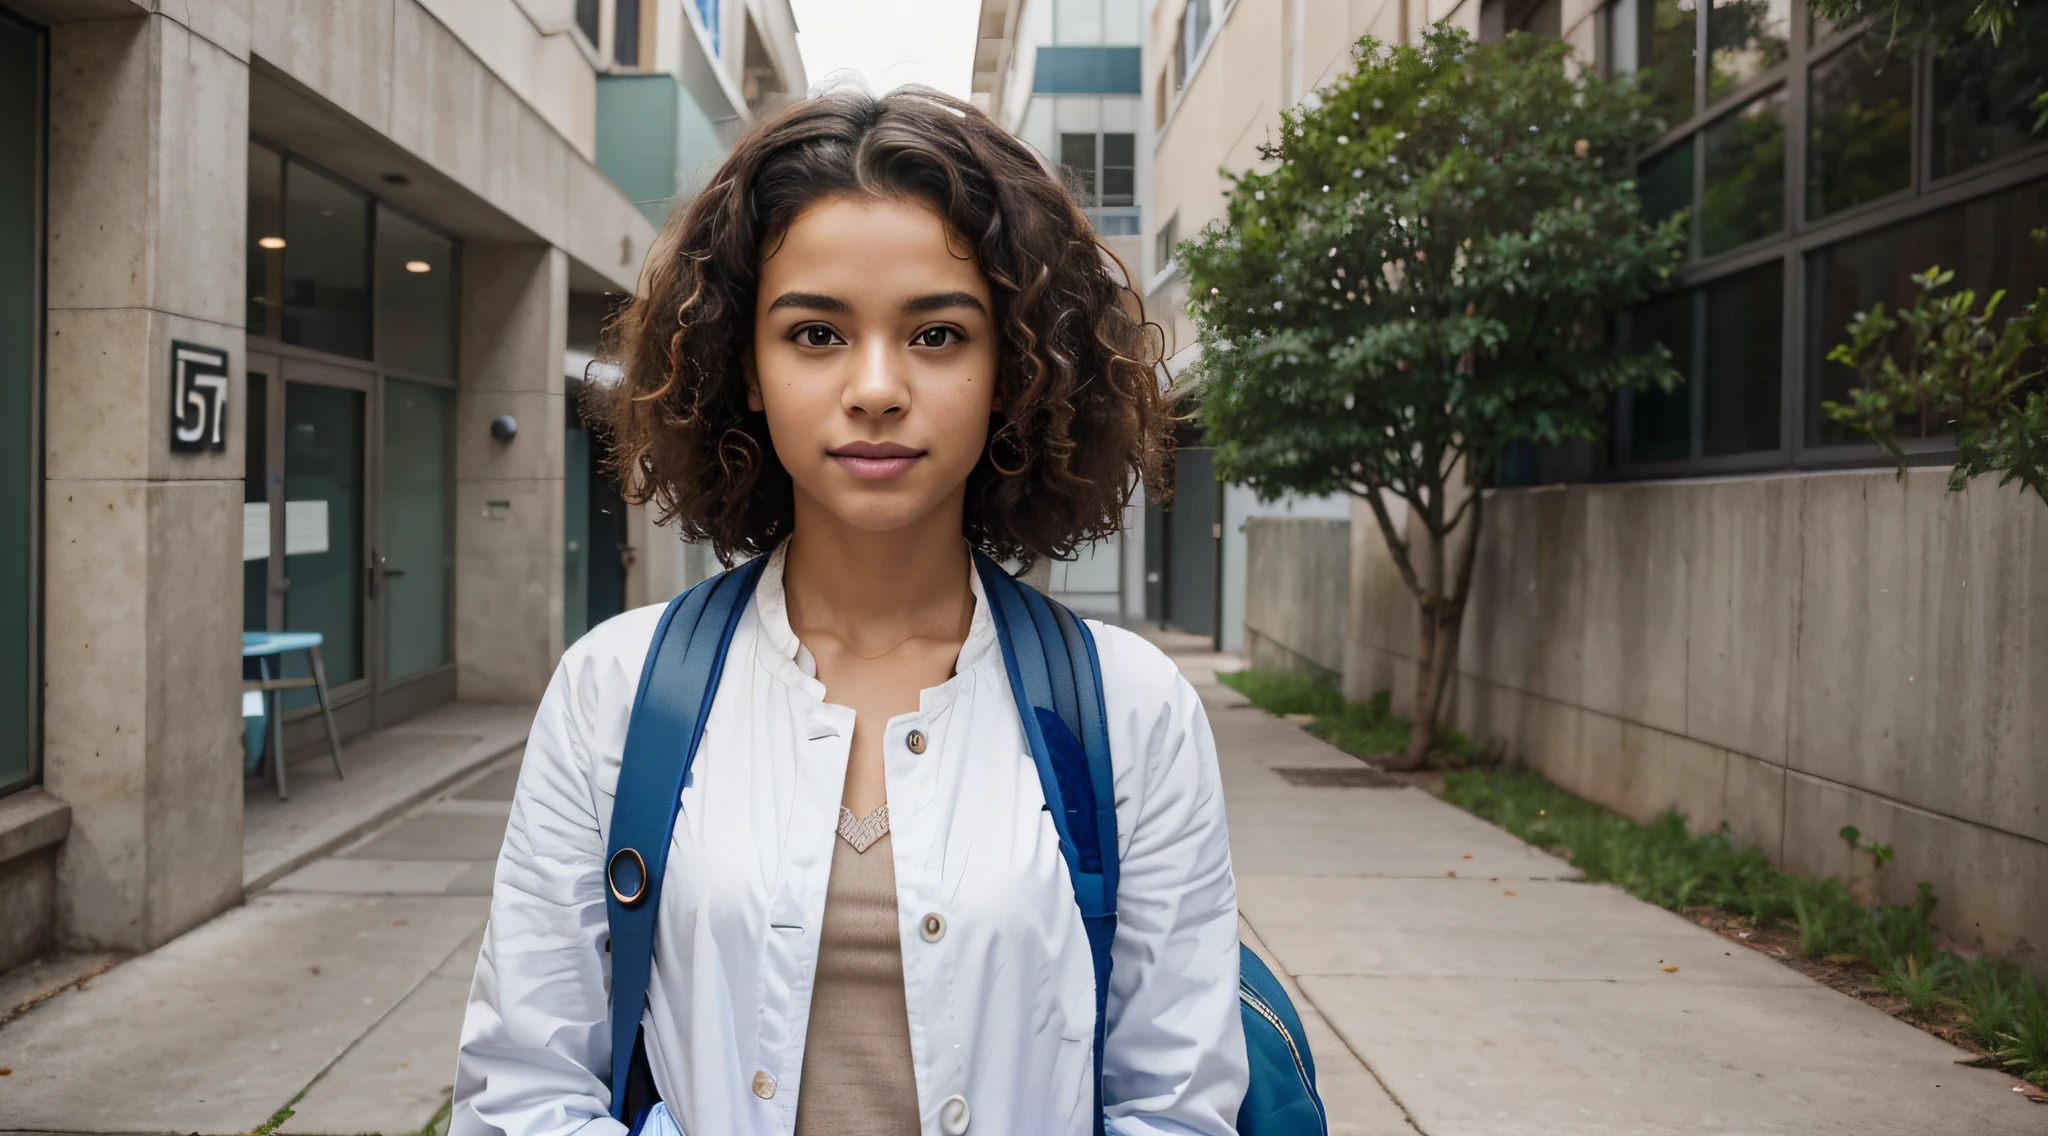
(1119,169)
(21,263)
(1984,95)
(1671,43)
(1665,182)
(1660,421)
(256,505)
(1745,352)
(586,19)
(323,529)
(1859,127)
(1745,39)
(1194,30)
(1745,175)
(415,296)
(1987,243)
(266,241)
(626,31)
(419,528)
(1077,167)
(326,264)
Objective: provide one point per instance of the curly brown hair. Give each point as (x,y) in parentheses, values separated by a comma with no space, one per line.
(1083,416)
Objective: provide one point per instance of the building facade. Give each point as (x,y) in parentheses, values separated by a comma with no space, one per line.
(1730,607)
(1065,76)
(292,286)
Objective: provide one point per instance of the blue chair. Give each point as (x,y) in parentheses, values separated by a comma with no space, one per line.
(267,645)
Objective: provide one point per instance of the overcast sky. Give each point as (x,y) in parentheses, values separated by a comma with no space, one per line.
(890,42)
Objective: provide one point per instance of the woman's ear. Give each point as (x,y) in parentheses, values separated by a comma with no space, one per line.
(753,376)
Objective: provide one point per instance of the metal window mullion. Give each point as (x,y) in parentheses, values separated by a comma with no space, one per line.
(1699,56)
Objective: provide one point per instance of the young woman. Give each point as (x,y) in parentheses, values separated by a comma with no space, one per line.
(881,337)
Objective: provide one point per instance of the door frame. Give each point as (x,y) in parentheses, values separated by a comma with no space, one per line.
(373,700)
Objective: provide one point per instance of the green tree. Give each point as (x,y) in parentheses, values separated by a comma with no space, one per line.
(1419,275)
(1943,366)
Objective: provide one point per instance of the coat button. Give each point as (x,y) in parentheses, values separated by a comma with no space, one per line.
(932,927)
(764,1086)
(953,1115)
(915,741)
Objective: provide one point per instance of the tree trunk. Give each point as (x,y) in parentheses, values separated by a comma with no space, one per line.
(1442,621)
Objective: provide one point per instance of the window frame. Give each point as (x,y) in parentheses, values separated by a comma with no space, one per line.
(1794,245)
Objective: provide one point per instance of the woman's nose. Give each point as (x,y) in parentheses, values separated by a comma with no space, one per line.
(876,386)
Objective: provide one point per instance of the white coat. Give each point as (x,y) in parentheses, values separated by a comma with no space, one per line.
(1001,1000)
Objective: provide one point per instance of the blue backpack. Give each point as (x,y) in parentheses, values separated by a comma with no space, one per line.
(1053,670)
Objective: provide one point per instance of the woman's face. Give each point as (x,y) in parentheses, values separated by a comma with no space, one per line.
(874,359)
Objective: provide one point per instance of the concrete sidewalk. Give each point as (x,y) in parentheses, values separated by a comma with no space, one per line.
(1453,981)
(1472,986)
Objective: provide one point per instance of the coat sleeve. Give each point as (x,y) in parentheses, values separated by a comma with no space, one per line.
(535,1054)
(1174,1061)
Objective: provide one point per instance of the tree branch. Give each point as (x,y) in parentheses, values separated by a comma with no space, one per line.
(1396,545)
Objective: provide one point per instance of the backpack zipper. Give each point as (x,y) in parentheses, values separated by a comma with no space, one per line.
(1251,998)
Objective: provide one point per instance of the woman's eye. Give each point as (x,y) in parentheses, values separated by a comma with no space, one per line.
(817,335)
(935,337)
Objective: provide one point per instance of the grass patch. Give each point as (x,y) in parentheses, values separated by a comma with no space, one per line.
(1366,729)
(2005,1010)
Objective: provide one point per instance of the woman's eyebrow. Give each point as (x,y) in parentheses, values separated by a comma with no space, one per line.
(942,300)
(811,300)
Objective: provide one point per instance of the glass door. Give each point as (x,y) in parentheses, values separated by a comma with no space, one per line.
(412,575)
(324,514)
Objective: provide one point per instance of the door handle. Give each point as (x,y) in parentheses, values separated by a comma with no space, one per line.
(384,566)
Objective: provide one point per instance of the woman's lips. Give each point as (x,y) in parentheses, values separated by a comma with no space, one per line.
(875,461)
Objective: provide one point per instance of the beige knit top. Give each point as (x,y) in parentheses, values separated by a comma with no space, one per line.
(858,1079)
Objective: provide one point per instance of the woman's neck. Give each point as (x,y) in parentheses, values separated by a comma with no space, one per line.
(874,590)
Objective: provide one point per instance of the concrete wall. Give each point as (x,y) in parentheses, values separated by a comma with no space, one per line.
(141,669)
(1784,654)
(1296,601)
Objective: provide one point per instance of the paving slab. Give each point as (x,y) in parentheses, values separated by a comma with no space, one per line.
(1515,1057)
(434,835)
(1541,930)
(374,877)
(215,1030)
(396,1079)
(389,771)
(1353,1100)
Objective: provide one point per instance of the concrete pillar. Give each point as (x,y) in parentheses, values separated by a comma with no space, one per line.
(142,546)
(508,494)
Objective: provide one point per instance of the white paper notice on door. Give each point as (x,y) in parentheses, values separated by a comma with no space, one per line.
(305,527)
(255,530)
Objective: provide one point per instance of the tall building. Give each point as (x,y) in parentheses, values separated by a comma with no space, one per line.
(1064,76)
(287,300)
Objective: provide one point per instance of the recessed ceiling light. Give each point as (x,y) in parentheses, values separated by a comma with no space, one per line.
(270,242)
(397,179)
(418,266)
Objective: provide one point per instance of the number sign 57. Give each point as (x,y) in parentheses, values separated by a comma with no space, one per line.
(199,397)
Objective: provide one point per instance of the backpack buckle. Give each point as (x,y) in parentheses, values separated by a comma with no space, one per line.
(637,869)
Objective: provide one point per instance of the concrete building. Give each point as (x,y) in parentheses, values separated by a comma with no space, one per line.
(1732,608)
(272,272)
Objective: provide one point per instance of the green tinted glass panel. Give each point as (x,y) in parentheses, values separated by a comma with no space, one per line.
(1665,182)
(323,529)
(1860,122)
(1744,154)
(1745,351)
(1985,94)
(1671,41)
(576,541)
(1988,243)
(256,507)
(1660,421)
(1077,166)
(415,296)
(418,571)
(20,257)
(326,264)
(1745,38)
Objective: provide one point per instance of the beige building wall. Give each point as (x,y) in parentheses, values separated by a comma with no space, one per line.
(465,113)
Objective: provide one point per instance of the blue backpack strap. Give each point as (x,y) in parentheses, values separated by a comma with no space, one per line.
(1056,680)
(677,683)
